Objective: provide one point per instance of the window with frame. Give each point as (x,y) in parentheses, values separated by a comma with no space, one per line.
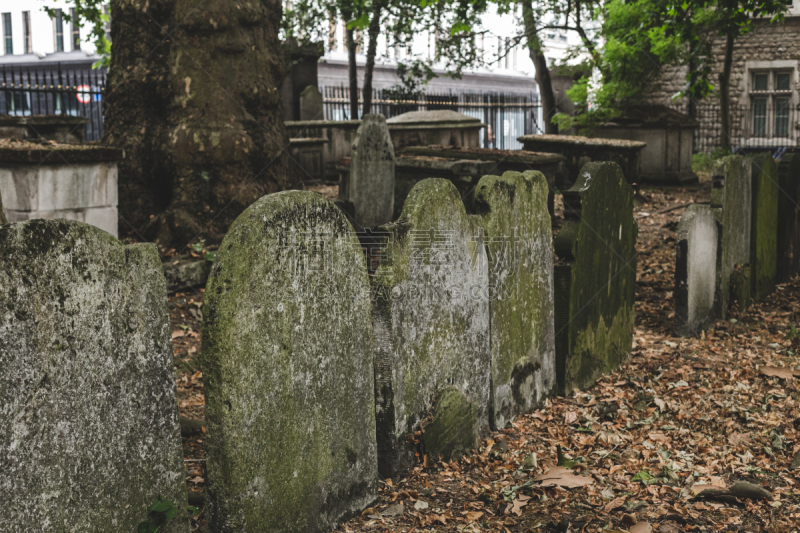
(771,102)
(8,41)
(76,29)
(26,32)
(58,30)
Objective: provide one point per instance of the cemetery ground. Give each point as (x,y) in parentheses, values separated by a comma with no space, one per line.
(718,411)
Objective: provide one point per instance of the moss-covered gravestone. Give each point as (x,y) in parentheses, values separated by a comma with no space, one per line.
(518,238)
(731,195)
(695,269)
(431,320)
(764,232)
(287,366)
(595,276)
(89,435)
(3,219)
(370,185)
(788,219)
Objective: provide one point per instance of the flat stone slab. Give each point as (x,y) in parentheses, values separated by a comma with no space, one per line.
(695,269)
(435,118)
(430,317)
(288,373)
(486,154)
(50,152)
(89,435)
(595,276)
(519,248)
(578,140)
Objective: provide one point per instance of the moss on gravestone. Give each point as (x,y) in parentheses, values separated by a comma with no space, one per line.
(89,435)
(764,229)
(3,219)
(287,367)
(453,431)
(741,287)
(518,235)
(595,277)
(430,316)
(788,220)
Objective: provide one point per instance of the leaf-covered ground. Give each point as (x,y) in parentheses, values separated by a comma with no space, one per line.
(684,415)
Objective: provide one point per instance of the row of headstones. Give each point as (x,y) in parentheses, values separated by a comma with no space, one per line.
(737,248)
(314,376)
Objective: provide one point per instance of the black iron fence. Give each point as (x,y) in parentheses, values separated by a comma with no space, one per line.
(769,123)
(507,116)
(55,90)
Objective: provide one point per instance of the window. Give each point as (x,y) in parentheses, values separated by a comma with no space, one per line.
(26,32)
(771,102)
(76,29)
(8,41)
(58,31)
(107,13)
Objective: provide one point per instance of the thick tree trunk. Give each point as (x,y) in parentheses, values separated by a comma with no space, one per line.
(724,94)
(214,142)
(352,73)
(372,50)
(542,71)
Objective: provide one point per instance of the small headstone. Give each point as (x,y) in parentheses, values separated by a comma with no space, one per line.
(518,235)
(731,195)
(695,269)
(287,367)
(311,104)
(788,219)
(89,435)
(764,232)
(430,317)
(595,277)
(370,186)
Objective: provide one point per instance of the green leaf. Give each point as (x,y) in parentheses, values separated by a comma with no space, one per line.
(645,477)
(210,256)
(162,506)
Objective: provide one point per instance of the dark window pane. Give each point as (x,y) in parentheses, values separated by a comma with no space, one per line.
(759,117)
(783,81)
(26,30)
(59,30)
(781,117)
(9,41)
(760,82)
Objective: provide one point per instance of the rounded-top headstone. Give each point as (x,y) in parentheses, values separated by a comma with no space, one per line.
(89,435)
(287,366)
(372,167)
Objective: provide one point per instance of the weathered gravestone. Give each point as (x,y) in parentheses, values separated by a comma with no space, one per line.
(3,219)
(89,435)
(370,186)
(731,195)
(431,323)
(311,104)
(788,219)
(518,238)
(695,269)
(595,276)
(287,366)
(764,220)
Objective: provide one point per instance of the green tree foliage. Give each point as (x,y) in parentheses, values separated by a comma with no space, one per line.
(90,13)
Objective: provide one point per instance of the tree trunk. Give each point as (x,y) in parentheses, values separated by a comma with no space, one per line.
(724,94)
(542,71)
(352,68)
(372,50)
(198,115)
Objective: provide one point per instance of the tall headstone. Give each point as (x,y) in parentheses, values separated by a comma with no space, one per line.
(518,236)
(431,323)
(595,276)
(695,269)
(788,217)
(287,366)
(731,195)
(311,104)
(89,435)
(370,186)
(764,232)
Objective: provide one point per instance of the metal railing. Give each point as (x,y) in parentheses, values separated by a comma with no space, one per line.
(55,90)
(507,116)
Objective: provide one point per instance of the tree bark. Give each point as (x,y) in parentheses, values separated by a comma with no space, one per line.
(542,71)
(197,110)
(352,68)
(372,50)
(724,93)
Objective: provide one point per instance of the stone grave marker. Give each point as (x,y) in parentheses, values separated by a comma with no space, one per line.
(764,232)
(89,434)
(595,276)
(695,269)
(788,219)
(431,323)
(3,219)
(311,104)
(518,237)
(287,366)
(731,195)
(370,186)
